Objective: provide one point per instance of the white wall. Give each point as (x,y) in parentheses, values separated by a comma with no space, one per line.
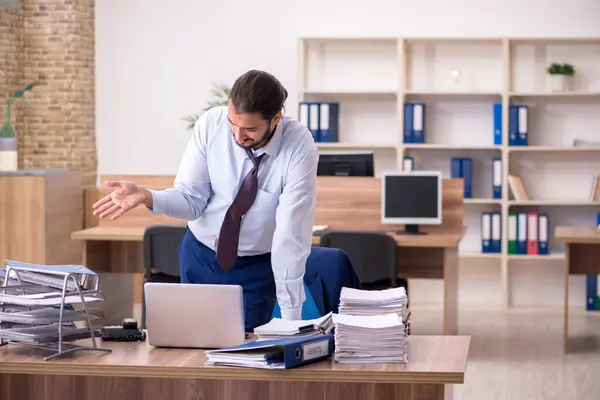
(156,61)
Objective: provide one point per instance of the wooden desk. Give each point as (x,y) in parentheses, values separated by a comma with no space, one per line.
(116,246)
(582,255)
(431,256)
(137,371)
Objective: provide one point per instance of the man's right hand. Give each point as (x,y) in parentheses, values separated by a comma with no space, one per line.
(127,195)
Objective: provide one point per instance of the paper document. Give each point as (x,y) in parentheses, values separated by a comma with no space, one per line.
(282,328)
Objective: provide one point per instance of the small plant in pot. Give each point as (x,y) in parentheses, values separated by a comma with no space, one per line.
(8,140)
(561,77)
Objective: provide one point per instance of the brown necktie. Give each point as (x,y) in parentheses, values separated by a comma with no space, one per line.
(230,230)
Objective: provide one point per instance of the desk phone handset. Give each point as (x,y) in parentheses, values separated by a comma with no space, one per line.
(128,332)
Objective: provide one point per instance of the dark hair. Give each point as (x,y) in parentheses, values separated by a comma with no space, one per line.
(258,92)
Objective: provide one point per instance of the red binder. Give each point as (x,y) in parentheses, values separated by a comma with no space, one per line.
(532,233)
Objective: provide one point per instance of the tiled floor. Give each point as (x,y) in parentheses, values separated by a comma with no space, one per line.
(518,355)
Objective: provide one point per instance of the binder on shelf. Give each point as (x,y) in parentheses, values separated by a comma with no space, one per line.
(532,233)
(498,123)
(591,292)
(497,177)
(598,222)
(456,167)
(512,233)
(408,123)
(408,164)
(462,167)
(522,233)
(313,121)
(543,233)
(303,114)
(328,121)
(321,118)
(274,354)
(523,126)
(496,243)
(513,124)
(418,123)
(467,170)
(486,232)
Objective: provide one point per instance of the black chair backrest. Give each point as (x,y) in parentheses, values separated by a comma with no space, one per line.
(161,249)
(372,253)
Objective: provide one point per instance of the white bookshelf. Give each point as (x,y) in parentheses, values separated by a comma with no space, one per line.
(371,78)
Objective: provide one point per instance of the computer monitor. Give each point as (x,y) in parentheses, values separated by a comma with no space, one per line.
(341,163)
(411,198)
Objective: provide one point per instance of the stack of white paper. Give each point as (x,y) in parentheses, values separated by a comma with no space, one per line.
(369,339)
(375,302)
(279,328)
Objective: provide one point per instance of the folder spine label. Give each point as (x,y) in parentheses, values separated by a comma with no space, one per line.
(311,351)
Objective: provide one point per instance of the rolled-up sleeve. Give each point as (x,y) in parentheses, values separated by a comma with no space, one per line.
(191,188)
(292,240)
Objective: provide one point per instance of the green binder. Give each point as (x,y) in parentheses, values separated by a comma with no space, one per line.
(512,233)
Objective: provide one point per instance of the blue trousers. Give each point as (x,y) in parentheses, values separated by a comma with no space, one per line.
(327,271)
(198,264)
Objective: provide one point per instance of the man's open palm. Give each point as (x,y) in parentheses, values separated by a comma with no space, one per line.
(127,195)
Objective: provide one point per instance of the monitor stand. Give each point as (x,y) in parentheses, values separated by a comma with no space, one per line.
(411,229)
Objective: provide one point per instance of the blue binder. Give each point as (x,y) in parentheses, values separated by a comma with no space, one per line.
(456,167)
(418,123)
(467,172)
(498,123)
(522,233)
(591,292)
(522,125)
(328,121)
(408,123)
(277,353)
(486,232)
(543,233)
(497,177)
(513,124)
(496,241)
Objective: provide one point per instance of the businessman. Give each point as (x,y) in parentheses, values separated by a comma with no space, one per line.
(246,184)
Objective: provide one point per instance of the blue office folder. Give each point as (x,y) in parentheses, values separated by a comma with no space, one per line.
(418,123)
(456,167)
(321,118)
(591,292)
(543,233)
(522,125)
(497,177)
(467,175)
(522,233)
(486,232)
(275,354)
(513,125)
(496,240)
(498,123)
(328,121)
(408,123)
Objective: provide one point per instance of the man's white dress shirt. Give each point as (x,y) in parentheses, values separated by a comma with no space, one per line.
(282,216)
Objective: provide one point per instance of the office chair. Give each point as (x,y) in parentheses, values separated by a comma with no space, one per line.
(372,253)
(161,256)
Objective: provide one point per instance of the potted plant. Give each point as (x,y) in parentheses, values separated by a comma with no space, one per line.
(8,140)
(561,77)
(220,93)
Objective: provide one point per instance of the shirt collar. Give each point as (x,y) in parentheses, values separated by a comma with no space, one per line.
(274,145)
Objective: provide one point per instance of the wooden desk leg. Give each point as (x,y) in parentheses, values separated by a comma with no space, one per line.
(451,291)
(566,316)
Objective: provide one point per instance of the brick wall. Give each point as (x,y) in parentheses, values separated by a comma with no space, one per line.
(58,124)
(11,62)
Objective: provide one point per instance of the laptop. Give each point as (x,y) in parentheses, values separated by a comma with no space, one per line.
(194,315)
